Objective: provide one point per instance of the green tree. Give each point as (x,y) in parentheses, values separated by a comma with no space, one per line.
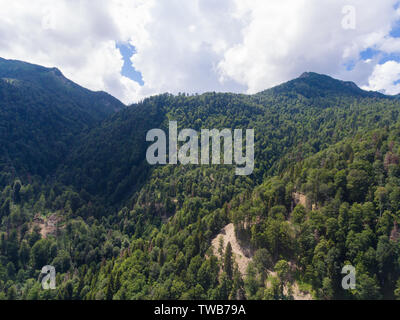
(228,261)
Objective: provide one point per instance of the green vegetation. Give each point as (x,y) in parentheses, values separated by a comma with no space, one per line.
(78,194)
(41,115)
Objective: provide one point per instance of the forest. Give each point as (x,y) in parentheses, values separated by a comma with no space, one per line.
(77,193)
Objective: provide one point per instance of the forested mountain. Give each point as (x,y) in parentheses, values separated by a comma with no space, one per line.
(324,193)
(313,85)
(41,114)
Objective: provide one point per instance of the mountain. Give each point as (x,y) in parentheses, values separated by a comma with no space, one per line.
(324,193)
(51,80)
(41,114)
(313,85)
(285,123)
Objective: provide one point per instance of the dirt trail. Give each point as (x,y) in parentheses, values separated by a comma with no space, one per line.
(228,235)
(47,225)
(300,198)
(299,295)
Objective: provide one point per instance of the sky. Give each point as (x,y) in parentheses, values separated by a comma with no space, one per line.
(137,48)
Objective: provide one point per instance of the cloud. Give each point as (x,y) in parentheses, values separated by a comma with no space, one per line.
(200,45)
(285,38)
(385,78)
(78,37)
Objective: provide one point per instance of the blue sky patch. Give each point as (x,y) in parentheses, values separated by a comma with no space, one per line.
(395,33)
(128,70)
(383,57)
(368,53)
(389,57)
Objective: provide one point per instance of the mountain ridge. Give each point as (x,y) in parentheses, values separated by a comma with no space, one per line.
(33,73)
(321,83)
(77,193)
(308,77)
(41,113)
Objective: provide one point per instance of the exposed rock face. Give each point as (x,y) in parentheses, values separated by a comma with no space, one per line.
(228,235)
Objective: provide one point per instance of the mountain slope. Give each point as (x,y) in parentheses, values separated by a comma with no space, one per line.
(287,127)
(125,230)
(41,113)
(313,85)
(350,216)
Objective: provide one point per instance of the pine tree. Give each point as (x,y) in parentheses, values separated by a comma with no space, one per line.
(110,288)
(228,263)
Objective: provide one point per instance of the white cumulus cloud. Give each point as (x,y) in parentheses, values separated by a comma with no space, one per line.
(201,45)
(384,78)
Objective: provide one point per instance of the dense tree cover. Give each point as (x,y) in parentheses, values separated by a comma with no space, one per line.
(288,127)
(125,230)
(350,217)
(41,114)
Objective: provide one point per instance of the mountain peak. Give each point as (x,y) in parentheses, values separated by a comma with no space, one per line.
(306,75)
(322,77)
(315,85)
(25,70)
(52,81)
